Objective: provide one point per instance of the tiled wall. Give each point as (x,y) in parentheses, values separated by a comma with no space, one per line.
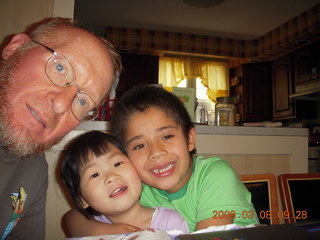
(277,42)
(283,39)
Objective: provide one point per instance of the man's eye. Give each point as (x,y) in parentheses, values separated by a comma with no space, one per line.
(167,137)
(94,175)
(139,146)
(117,164)
(59,67)
(83,102)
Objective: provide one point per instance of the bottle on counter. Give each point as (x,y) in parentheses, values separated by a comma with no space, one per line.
(203,115)
(224,112)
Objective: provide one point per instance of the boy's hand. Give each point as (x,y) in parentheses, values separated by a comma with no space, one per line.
(124,228)
(78,225)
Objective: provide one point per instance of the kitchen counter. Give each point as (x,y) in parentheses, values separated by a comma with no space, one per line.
(258,131)
(209,129)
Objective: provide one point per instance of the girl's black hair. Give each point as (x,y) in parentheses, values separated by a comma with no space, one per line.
(76,155)
(141,98)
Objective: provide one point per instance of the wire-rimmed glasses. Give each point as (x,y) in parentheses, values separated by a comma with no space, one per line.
(61,73)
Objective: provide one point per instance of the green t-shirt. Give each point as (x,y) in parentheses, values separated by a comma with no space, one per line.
(214,190)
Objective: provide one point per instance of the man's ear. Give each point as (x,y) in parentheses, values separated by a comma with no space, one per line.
(16,42)
(192,139)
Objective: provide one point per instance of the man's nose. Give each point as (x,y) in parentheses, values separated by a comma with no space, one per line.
(62,100)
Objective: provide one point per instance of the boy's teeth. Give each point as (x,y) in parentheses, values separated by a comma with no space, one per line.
(163,169)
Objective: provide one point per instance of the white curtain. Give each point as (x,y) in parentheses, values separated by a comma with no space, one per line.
(214,75)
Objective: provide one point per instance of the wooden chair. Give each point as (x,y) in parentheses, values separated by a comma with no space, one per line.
(299,195)
(263,188)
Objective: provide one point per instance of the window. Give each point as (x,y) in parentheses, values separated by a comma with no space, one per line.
(201,94)
(209,78)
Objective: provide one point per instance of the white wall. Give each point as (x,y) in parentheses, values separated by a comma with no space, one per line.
(17,15)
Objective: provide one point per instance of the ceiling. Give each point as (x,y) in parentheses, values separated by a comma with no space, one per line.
(237,19)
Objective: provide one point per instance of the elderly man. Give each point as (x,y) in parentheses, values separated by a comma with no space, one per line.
(50,80)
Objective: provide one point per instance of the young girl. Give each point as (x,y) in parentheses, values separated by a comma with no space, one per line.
(159,137)
(105,186)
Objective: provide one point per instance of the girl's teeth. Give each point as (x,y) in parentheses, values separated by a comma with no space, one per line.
(115,192)
(163,169)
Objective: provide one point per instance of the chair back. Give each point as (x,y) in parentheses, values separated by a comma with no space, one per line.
(299,195)
(263,188)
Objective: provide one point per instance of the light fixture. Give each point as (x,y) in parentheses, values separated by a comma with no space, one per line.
(203,3)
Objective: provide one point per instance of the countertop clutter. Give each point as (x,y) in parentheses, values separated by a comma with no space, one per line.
(211,129)
(257,131)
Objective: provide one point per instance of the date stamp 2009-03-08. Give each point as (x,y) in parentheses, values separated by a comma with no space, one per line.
(262,214)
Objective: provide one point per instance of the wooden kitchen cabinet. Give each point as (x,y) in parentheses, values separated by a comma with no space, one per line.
(257,101)
(284,106)
(137,70)
(253,92)
(282,88)
(306,66)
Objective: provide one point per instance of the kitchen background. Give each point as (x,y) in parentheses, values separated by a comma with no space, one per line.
(272,48)
(275,56)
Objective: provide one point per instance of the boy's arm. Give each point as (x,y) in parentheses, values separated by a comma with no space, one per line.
(223,197)
(212,222)
(78,225)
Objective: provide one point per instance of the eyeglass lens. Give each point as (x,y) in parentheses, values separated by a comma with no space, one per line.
(61,73)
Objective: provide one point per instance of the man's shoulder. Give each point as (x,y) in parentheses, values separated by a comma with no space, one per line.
(34,166)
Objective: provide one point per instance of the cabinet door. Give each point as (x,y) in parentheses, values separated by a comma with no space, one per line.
(316,69)
(257,92)
(302,66)
(282,87)
(137,70)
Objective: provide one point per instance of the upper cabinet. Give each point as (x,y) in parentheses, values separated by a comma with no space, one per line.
(282,88)
(257,92)
(253,92)
(306,68)
(138,69)
(291,75)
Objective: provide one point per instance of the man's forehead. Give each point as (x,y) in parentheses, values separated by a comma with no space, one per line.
(90,59)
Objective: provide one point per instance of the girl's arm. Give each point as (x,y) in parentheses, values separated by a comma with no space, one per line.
(78,225)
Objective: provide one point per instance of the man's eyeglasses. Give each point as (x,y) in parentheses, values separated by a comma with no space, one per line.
(61,73)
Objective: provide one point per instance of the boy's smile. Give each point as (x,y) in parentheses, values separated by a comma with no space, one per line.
(164,171)
(159,149)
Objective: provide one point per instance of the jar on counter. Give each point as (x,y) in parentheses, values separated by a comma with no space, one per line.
(224,112)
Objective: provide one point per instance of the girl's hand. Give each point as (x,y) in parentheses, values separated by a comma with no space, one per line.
(77,225)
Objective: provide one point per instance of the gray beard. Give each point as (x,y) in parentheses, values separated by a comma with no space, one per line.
(14,138)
